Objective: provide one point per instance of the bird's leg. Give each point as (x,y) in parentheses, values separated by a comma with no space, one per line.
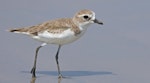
(35,60)
(59,73)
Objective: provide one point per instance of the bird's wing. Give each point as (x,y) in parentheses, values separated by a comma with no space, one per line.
(52,26)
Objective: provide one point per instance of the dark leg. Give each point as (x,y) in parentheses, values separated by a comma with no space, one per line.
(59,73)
(35,60)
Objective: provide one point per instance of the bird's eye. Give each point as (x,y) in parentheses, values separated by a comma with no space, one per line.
(85,17)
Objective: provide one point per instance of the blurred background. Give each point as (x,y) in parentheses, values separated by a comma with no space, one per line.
(121,46)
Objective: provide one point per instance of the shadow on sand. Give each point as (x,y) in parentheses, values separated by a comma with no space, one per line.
(69,74)
(73,73)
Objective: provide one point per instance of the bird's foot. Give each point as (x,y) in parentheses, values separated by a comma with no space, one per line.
(33,72)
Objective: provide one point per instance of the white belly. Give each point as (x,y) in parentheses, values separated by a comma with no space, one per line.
(61,39)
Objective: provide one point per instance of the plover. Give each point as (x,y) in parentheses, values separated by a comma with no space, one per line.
(59,31)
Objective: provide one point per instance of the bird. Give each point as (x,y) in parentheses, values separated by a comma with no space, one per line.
(59,32)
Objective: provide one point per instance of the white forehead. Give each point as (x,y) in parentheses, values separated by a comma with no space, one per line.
(93,17)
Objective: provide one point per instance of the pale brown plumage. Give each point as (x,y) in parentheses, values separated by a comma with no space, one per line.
(52,26)
(56,26)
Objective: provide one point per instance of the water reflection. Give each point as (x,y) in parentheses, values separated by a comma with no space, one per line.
(59,80)
(33,80)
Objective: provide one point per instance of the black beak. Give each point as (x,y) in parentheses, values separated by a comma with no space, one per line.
(98,22)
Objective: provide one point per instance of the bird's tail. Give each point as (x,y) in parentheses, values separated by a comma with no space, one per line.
(13,30)
(21,30)
(18,30)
